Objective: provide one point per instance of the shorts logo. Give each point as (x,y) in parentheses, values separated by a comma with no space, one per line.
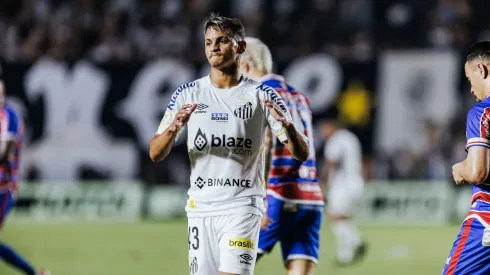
(200,141)
(241,243)
(200,107)
(193,267)
(219,117)
(200,182)
(246,259)
(244,111)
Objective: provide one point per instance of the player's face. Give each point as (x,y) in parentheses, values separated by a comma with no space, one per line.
(221,51)
(477,75)
(327,129)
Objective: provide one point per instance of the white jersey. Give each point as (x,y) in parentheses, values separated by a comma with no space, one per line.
(344,148)
(225,137)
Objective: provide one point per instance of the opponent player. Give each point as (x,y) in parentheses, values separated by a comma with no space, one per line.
(471,250)
(345,185)
(11,135)
(294,198)
(227,115)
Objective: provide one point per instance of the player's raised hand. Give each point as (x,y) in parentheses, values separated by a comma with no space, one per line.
(183,115)
(276,112)
(457,177)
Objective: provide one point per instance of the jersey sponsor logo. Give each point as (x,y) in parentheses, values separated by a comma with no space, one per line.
(246,259)
(237,145)
(241,243)
(200,182)
(244,111)
(176,94)
(274,96)
(200,107)
(222,182)
(193,266)
(200,141)
(219,117)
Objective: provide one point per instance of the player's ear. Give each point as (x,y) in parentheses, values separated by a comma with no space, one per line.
(483,69)
(242,45)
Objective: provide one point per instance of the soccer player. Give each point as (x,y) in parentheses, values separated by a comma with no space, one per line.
(11,135)
(294,197)
(226,115)
(471,250)
(345,184)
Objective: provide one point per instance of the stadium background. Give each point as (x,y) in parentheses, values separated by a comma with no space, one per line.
(93,77)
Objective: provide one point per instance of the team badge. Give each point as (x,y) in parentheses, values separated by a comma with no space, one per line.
(244,111)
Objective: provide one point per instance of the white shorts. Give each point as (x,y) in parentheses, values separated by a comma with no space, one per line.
(226,243)
(344,200)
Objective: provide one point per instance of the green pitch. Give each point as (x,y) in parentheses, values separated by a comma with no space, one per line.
(161,248)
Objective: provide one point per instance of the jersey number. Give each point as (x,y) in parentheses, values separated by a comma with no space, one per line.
(195,237)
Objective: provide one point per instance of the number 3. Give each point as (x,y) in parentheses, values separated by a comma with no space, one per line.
(195,232)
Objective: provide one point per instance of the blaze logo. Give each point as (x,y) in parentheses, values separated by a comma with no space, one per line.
(200,141)
(241,243)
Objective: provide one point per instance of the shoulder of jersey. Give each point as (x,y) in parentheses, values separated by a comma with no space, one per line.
(479,109)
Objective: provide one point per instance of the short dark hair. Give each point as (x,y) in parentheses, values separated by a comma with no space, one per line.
(479,50)
(232,25)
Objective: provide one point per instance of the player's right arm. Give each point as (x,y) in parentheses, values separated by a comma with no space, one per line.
(176,117)
(474,169)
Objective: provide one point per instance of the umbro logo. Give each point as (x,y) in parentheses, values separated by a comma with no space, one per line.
(200,107)
(246,259)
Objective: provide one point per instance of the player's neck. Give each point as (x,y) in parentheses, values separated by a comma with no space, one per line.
(225,78)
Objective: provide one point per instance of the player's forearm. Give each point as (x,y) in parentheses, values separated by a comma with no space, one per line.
(296,144)
(473,173)
(161,145)
(5,148)
(268,154)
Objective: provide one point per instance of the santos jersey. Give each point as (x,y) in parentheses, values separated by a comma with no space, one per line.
(225,141)
(344,148)
(478,134)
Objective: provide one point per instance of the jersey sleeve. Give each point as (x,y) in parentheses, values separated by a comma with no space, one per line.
(478,127)
(274,125)
(9,126)
(176,102)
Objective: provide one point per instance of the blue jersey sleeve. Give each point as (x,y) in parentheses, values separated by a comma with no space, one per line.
(478,127)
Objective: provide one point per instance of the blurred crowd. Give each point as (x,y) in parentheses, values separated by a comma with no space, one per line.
(124,30)
(349,30)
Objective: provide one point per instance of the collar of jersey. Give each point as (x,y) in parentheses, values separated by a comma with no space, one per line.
(243,80)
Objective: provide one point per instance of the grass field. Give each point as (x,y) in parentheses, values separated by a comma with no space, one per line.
(161,248)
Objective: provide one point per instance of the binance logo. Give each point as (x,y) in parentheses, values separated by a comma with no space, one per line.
(241,243)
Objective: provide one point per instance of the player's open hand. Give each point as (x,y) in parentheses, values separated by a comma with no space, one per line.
(183,115)
(276,112)
(457,177)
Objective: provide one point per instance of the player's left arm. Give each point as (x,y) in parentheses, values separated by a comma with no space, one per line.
(9,128)
(282,125)
(268,146)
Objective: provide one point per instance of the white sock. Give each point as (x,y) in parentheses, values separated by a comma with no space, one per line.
(348,239)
